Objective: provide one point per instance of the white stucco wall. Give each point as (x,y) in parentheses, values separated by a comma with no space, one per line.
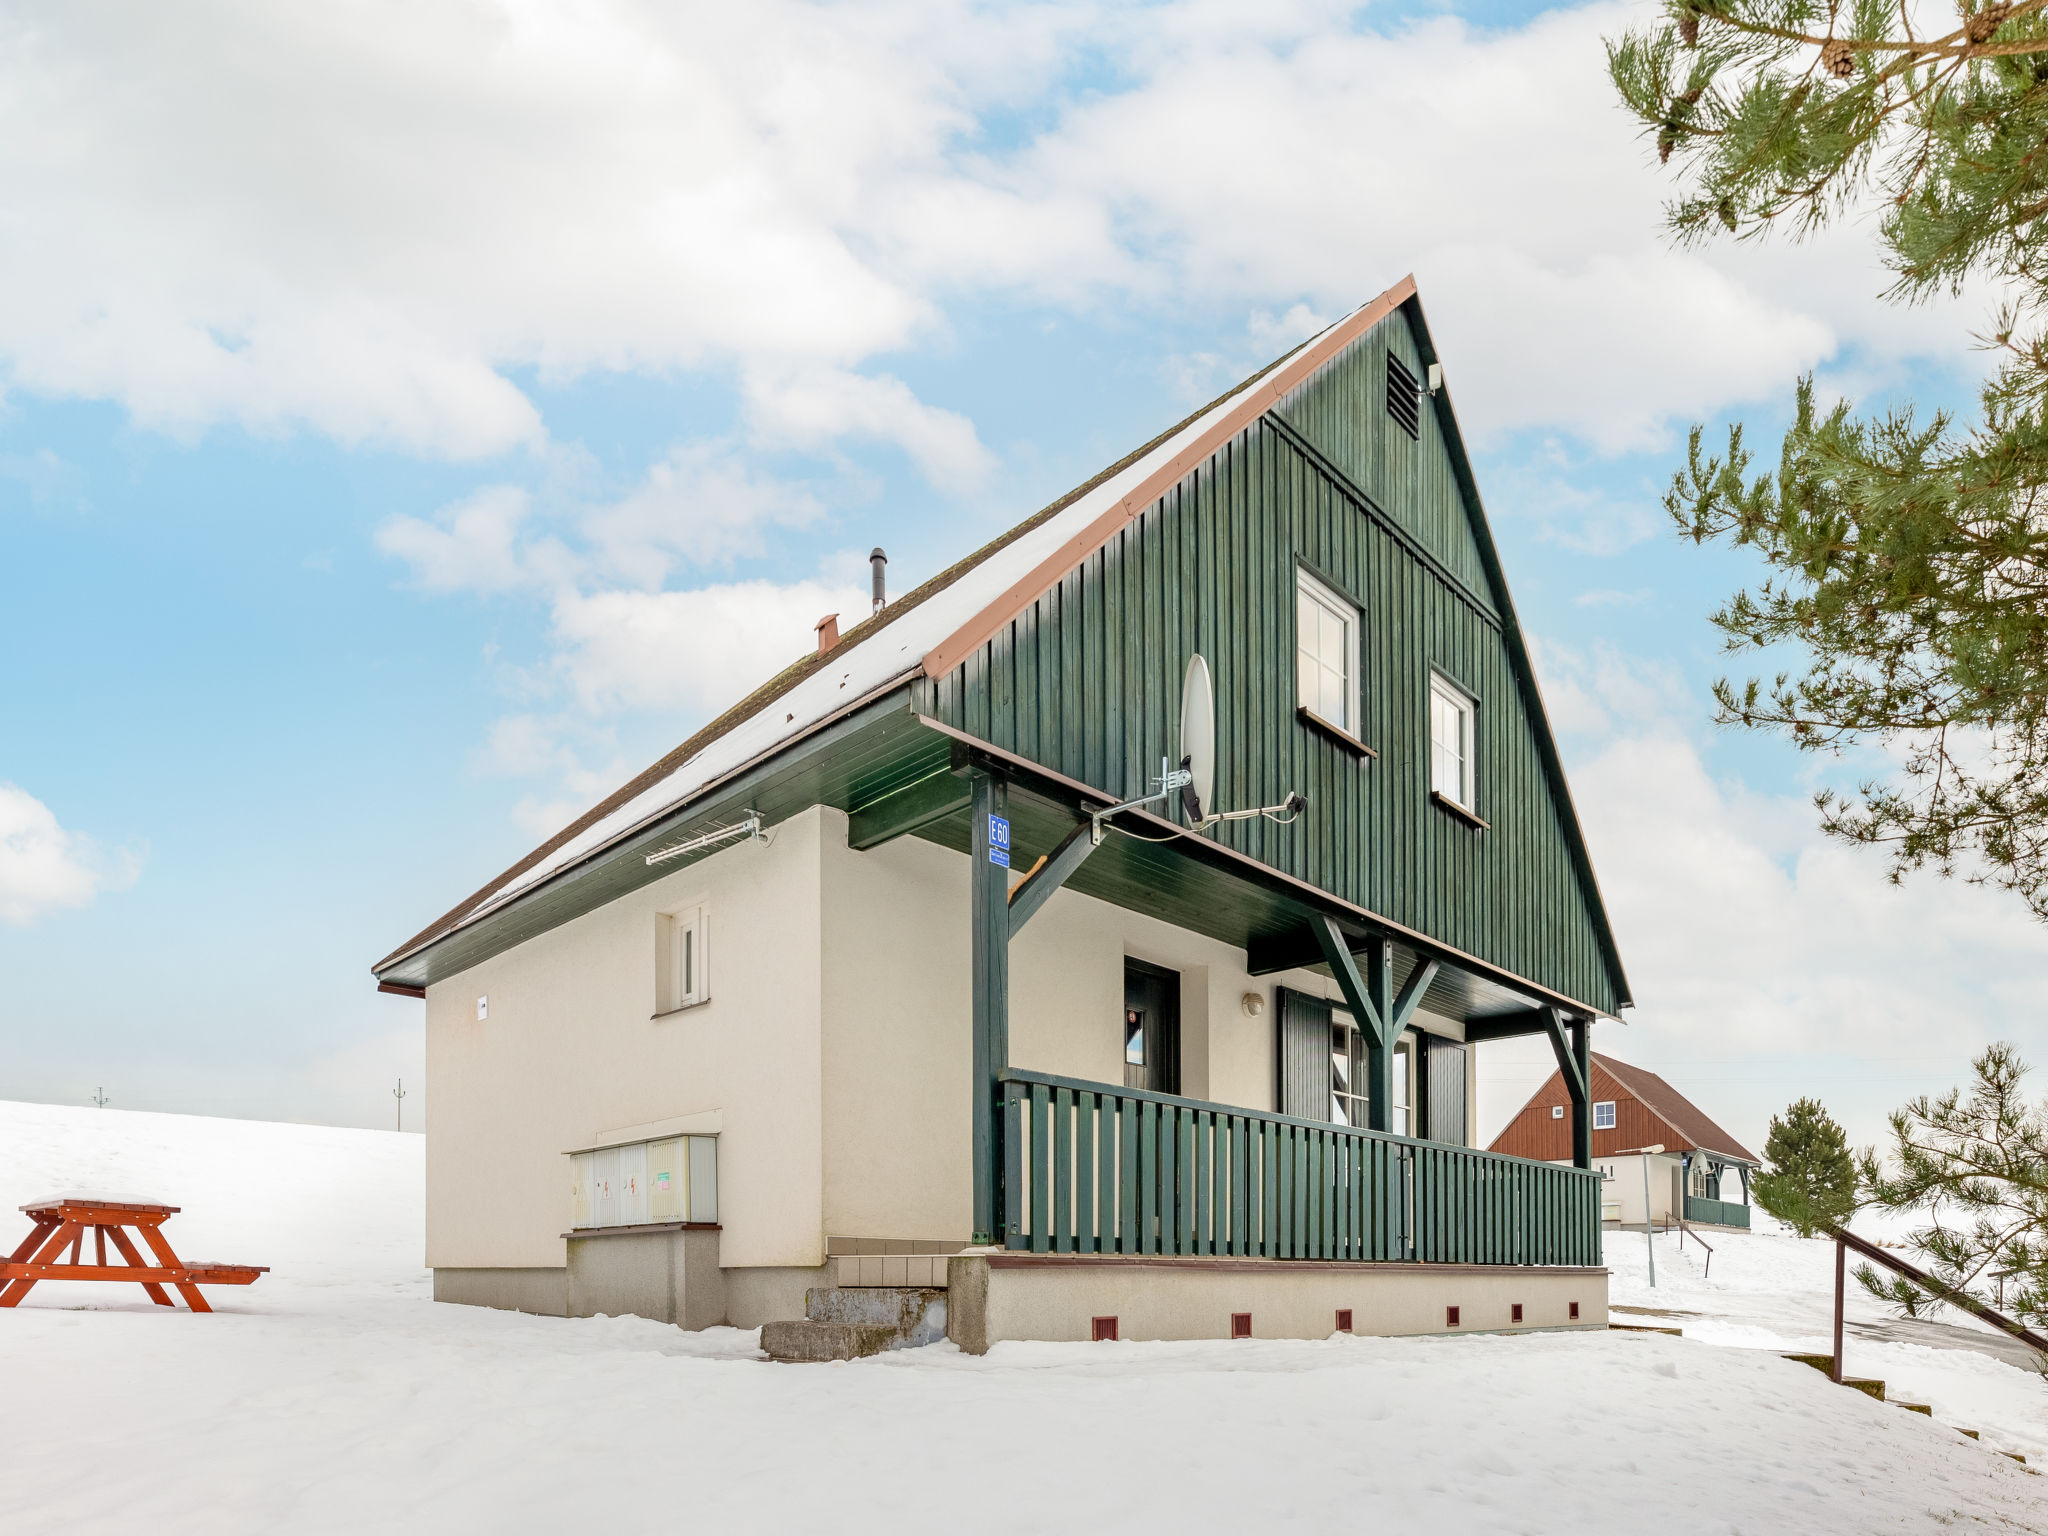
(571,1050)
(1622,1187)
(835,1049)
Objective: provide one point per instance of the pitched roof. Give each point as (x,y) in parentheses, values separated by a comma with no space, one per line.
(1674,1109)
(934,627)
(928,630)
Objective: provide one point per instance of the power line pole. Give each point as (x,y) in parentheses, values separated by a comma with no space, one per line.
(398,1093)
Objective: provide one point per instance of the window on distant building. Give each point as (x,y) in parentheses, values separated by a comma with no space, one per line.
(681,961)
(1603,1115)
(1557,1111)
(1450,742)
(1326,652)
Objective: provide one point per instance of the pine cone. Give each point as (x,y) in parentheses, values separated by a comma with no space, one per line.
(1978,28)
(1838,59)
(1689,29)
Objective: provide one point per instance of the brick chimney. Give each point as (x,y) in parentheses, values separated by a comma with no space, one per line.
(828,632)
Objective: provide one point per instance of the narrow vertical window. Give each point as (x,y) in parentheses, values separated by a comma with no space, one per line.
(681,963)
(1451,765)
(1326,656)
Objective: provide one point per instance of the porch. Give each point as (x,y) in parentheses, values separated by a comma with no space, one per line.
(1079,1172)
(1093,1169)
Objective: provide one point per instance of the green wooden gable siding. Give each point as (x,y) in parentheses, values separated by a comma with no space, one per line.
(1342,412)
(1087,681)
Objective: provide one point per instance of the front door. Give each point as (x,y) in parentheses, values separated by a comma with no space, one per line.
(1151,1027)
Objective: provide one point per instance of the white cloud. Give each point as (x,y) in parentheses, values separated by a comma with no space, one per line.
(44,868)
(700,505)
(362,219)
(690,652)
(816,408)
(472,545)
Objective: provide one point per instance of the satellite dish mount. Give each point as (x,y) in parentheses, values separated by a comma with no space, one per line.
(1194,781)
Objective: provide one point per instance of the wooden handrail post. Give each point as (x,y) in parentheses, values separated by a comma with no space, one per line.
(1841,1265)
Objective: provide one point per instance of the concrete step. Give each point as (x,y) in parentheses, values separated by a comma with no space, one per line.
(916,1314)
(807,1341)
(847,1322)
(1920,1408)
(1826,1365)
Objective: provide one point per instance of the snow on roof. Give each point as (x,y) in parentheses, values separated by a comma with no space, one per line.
(1675,1109)
(890,647)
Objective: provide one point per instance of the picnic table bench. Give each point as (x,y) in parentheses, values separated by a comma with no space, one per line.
(62,1222)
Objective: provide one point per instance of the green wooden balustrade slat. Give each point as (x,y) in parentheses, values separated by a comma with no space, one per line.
(1063,1171)
(1041,1133)
(1090,1168)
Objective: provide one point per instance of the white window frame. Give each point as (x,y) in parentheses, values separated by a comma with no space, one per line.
(1329,600)
(1608,1124)
(1465,793)
(682,959)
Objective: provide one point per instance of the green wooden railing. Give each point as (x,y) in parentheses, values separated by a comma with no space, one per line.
(1091,1168)
(1725,1213)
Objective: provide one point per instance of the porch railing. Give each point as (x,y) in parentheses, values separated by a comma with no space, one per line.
(1092,1168)
(1719,1213)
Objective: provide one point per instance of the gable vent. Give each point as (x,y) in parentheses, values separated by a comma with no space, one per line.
(1404,397)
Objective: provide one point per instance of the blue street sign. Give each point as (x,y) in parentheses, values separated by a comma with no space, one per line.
(999,840)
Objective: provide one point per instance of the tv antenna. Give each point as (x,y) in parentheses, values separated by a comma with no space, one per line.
(750,828)
(398,1093)
(1194,781)
(99,1098)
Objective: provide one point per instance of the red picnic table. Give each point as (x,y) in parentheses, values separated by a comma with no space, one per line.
(61,1222)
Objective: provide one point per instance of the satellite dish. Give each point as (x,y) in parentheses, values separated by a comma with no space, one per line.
(1198,739)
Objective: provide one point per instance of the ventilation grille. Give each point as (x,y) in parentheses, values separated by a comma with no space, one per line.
(1404,396)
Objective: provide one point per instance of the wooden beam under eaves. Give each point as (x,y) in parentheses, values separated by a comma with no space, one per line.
(917,804)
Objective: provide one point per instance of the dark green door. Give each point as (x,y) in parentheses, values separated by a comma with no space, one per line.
(1151,1027)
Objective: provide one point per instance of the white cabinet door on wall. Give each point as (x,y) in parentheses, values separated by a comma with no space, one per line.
(671,1180)
(632,1185)
(605,1176)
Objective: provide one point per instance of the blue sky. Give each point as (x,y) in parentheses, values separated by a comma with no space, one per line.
(417,420)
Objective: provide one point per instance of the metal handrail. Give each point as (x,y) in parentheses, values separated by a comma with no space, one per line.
(1707,1272)
(1941,1290)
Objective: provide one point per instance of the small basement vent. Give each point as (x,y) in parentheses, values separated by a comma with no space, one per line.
(1404,396)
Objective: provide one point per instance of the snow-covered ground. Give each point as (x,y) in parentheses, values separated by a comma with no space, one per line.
(335,1396)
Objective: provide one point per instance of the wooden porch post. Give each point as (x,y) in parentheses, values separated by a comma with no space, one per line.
(989,917)
(1582,1106)
(1379,1042)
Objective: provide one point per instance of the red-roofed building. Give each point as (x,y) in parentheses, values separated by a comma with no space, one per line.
(1633,1109)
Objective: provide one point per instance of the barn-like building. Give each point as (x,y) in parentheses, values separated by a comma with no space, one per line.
(1634,1109)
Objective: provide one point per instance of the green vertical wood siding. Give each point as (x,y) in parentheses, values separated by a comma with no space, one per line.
(1087,680)
(1342,411)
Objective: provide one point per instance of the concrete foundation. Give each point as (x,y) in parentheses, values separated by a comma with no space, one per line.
(541,1291)
(994,1297)
(669,1274)
(769,1295)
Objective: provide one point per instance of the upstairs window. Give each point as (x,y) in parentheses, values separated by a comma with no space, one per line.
(682,970)
(1404,397)
(1326,657)
(1603,1115)
(1450,743)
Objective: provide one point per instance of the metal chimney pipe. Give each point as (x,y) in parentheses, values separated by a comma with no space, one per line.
(877,562)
